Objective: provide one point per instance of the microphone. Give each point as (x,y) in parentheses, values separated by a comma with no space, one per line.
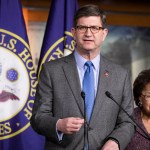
(83,97)
(86,123)
(109,95)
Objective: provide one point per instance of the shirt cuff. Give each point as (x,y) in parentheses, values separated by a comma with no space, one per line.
(59,134)
(115,140)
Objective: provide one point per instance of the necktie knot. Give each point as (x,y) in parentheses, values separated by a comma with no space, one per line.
(89,64)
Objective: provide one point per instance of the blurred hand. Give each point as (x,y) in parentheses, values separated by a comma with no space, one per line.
(110,145)
(69,125)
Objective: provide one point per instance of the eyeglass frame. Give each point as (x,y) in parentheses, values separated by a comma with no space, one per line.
(90,27)
(146,97)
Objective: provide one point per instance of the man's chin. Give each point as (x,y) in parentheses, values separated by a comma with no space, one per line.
(87,51)
(88,48)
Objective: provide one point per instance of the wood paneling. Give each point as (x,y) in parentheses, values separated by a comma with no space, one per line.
(128,20)
(129,13)
(38,15)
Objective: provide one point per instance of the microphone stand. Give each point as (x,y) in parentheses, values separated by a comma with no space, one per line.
(85,124)
(108,94)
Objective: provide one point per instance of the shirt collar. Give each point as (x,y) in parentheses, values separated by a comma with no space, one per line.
(80,61)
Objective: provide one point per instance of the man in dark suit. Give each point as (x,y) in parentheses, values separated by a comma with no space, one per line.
(59,113)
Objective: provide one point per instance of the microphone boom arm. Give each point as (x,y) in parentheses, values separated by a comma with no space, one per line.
(109,95)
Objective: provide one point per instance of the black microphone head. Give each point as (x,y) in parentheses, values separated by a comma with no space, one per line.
(83,95)
(108,94)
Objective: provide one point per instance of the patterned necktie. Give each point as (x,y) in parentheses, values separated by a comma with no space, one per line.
(88,88)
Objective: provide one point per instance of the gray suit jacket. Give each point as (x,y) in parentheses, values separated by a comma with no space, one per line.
(59,96)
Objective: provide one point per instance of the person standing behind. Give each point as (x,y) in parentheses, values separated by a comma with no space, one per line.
(141,91)
(70,120)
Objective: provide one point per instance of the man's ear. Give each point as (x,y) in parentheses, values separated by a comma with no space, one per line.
(105,32)
(73,33)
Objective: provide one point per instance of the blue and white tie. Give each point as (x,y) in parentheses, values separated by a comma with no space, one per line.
(88,88)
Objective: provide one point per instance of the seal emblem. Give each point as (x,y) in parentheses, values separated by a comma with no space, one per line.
(17,84)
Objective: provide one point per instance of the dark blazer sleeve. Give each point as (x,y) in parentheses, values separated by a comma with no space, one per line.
(42,119)
(54,100)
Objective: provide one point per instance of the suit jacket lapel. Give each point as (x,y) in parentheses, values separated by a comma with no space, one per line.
(103,83)
(71,73)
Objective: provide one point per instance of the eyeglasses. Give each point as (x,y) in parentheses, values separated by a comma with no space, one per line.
(146,97)
(93,29)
